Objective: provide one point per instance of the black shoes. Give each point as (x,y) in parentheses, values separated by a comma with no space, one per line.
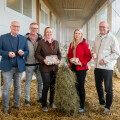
(17,108)
(27,103)
(39,100)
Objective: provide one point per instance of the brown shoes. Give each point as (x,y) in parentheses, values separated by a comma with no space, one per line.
(5,111)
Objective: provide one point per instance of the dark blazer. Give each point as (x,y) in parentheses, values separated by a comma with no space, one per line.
(6,46)
(44,49)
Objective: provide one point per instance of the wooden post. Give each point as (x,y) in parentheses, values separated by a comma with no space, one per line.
(96,27)
(109,15)
(38,14)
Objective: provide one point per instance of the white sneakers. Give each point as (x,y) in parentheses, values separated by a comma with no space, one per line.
(106,111)
(53,106)
(81,110)
(45,109)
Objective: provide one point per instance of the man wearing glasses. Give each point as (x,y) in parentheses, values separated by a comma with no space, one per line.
(104,51)
(32,64)
(13,49)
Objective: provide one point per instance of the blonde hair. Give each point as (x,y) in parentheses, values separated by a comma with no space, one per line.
(74,40)
(46,30)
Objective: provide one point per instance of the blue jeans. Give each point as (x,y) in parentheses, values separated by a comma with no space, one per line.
(29,74)
(7,79)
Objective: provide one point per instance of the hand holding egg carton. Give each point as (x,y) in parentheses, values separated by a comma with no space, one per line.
(52,59)
(76,60)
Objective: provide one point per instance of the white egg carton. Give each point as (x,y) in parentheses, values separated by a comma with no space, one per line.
(52,59)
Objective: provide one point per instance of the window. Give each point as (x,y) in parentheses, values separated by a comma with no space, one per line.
(22,6)
(15,5)
(88,30)
(92,21)
(102,16)
(116,19)
(53,21)
(27,8)
(44,18)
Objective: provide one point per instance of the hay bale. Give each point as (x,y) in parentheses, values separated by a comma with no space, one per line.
(66,98)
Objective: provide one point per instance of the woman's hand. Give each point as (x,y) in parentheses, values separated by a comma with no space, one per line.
(71,61)
(46,62)
(78,63)
(58,62)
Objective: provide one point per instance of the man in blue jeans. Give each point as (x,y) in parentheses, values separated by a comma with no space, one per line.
(13,49)
(105,50)
(32,64)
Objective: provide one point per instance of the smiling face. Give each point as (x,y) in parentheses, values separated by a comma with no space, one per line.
(103,28)
(15,27)
(33,29)
(77,35)
(48,33)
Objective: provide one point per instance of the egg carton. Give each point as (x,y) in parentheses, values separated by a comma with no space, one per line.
(52,59)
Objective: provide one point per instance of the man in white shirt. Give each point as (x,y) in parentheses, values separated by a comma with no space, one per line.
(104,51)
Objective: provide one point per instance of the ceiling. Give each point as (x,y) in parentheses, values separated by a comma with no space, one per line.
(75,18)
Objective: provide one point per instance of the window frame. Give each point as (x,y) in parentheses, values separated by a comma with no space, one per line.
(18,13)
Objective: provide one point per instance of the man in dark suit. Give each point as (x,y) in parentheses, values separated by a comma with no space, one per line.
(13,49)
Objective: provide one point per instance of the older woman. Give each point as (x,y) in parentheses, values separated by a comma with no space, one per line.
(46,47)
(78,56)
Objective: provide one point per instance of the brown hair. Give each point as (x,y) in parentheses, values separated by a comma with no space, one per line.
(33,23)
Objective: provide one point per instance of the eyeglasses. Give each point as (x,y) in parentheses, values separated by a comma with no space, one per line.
(34,28)
(14,26)
(102,27)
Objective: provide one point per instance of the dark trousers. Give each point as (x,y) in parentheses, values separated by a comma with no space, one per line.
(80,86)
(49,79)
(106,76)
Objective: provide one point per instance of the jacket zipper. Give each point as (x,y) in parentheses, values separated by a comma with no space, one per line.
(98,51)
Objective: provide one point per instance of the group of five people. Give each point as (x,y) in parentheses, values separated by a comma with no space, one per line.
(29,53)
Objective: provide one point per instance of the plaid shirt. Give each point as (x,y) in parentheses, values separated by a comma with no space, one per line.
(33,38)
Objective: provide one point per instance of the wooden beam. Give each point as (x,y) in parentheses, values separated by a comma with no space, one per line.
(96,27)
(109,15)
(51,9)
(38,14)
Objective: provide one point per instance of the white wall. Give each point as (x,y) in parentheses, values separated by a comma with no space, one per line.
(8,15)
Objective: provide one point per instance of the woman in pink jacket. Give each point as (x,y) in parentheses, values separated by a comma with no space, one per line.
(78,56)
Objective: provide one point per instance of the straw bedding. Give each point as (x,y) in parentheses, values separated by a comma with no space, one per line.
(92,110)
